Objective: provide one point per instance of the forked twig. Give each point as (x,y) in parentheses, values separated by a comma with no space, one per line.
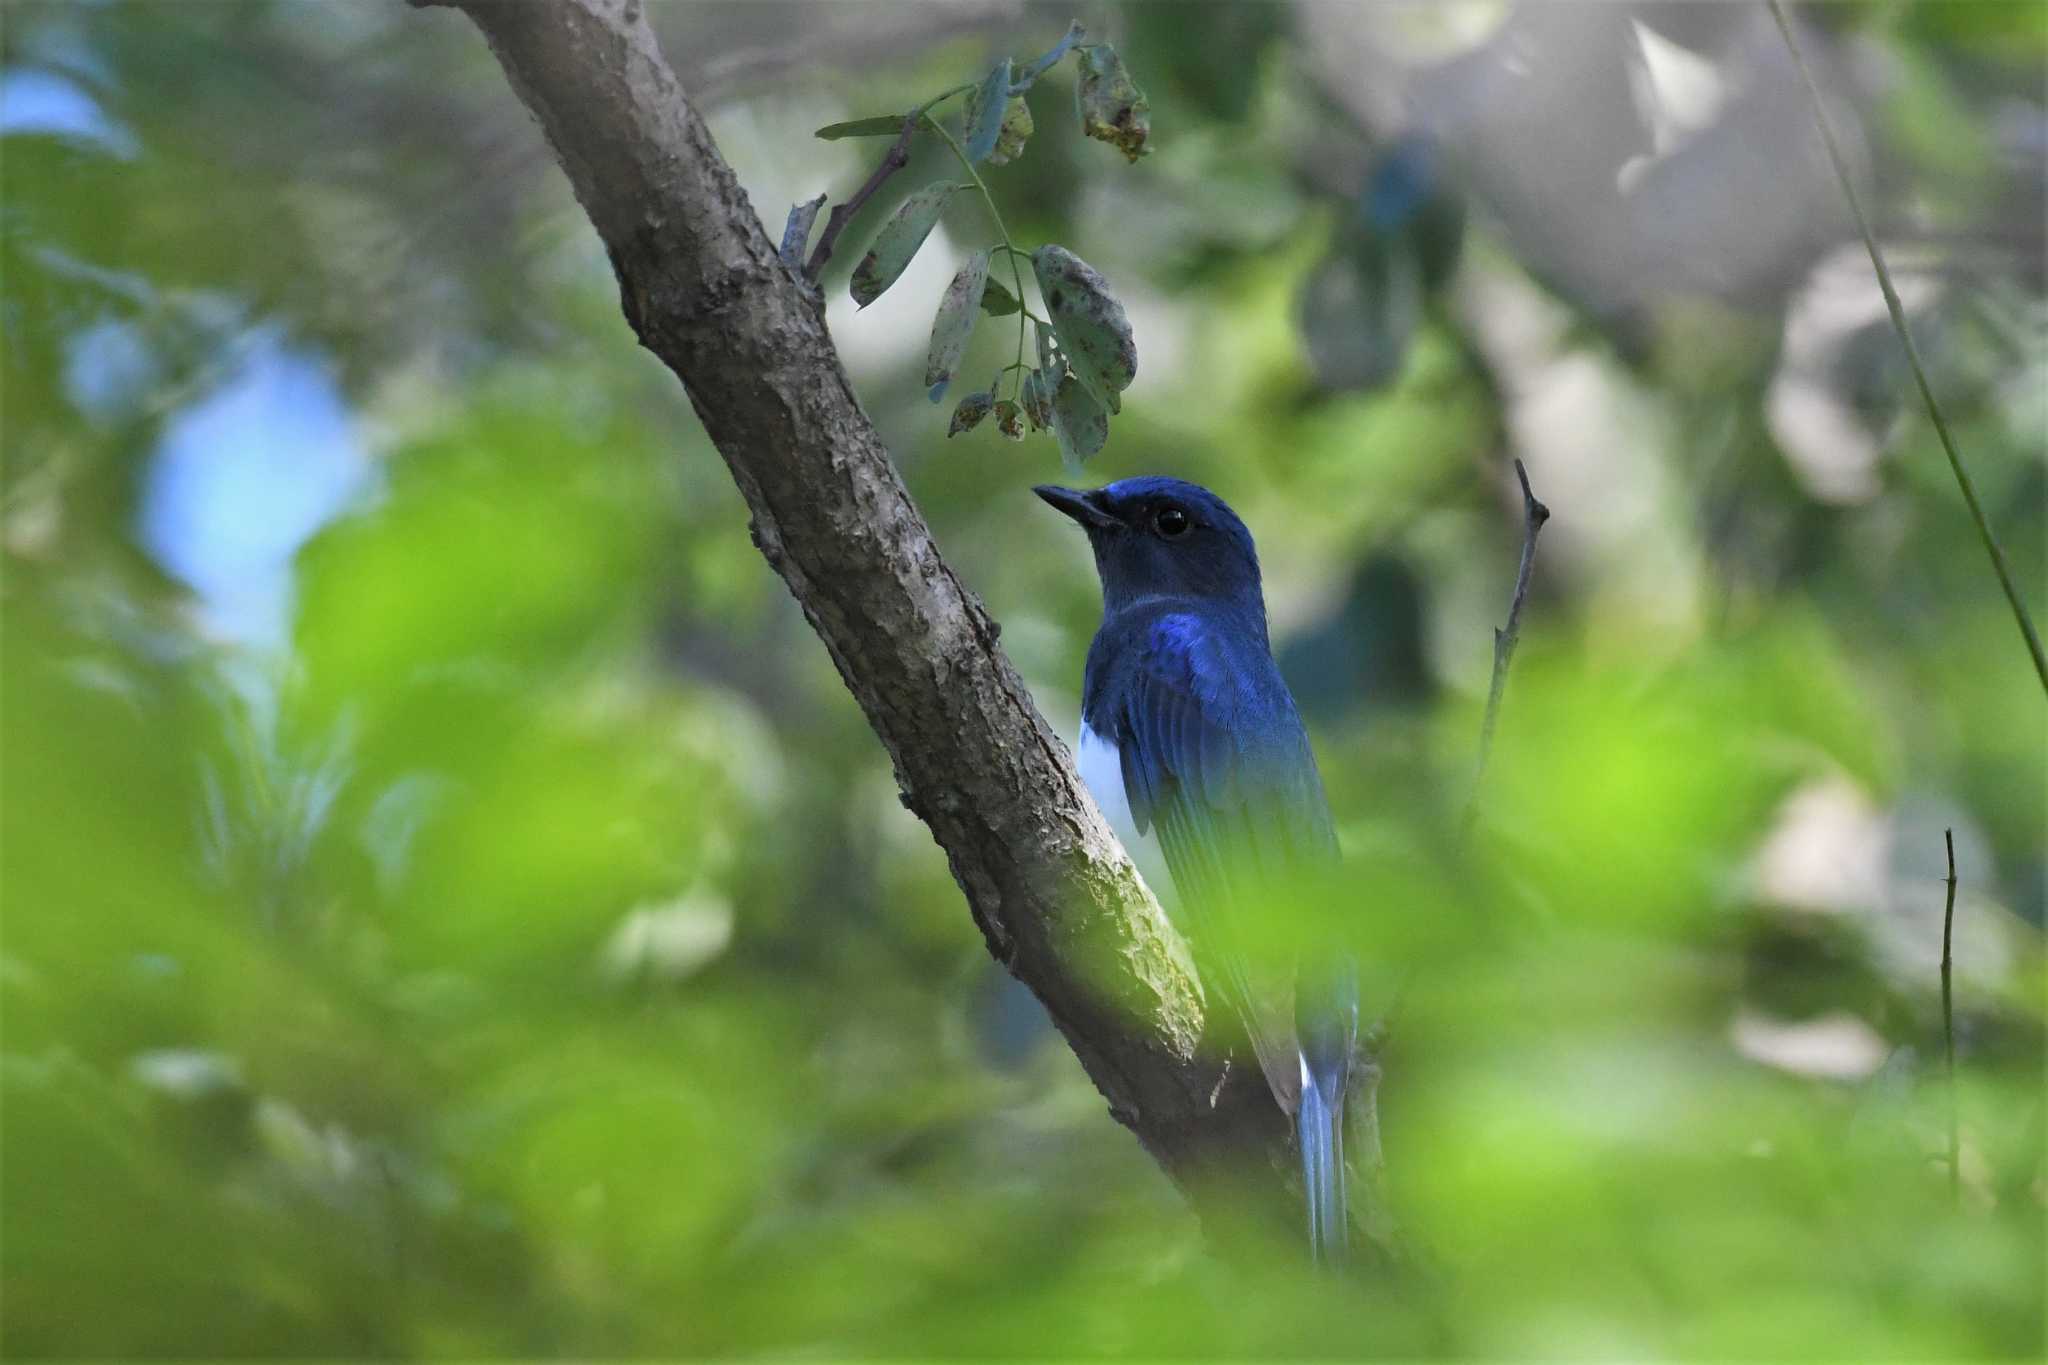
(1364,1105)
(897,157)
(1534,514)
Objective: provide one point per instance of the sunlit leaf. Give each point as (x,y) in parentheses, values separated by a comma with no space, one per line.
(986,112)
(1017,130)
(1113,109)
(899,240)
(955,323)
(1094,332)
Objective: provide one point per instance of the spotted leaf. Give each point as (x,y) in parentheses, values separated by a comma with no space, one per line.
(1113,108)
(1078,421)
(955,323)
(1094,333)
(968,414)
(899,240)
(1010,419)
(986,108)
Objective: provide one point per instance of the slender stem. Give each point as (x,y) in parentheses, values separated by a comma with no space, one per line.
(1534,514)
(1370,1043)
(996,215)
(1948,1022)
(894,160)
(1898,312)
(897,157)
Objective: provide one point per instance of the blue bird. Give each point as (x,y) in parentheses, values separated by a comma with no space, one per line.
(1191,745)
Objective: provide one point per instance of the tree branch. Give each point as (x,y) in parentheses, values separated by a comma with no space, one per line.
(702,286)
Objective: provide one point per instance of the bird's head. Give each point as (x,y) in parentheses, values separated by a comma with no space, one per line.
(1156,536)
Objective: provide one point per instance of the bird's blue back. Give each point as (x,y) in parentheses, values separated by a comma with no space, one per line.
(1207,732)
(1214,761)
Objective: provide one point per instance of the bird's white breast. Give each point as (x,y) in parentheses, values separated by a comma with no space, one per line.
(1102,771)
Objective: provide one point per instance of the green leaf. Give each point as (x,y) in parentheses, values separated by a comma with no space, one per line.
(886,125)
(1036,397)
(1113,108)
(899,240)
(1010,420)
(1078,421)
(986,109)
(967,416)
(997,301)
(955,323)
(1094,333)
(1016,131)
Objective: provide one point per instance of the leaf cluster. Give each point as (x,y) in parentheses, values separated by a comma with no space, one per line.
(1084,355)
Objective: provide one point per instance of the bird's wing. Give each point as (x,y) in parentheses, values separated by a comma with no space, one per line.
(1216,761)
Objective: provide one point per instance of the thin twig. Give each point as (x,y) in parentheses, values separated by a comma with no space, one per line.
(1373,1040)
(996,215)
(1898,312)
(1534,514)
(1948,1022)
(896,159)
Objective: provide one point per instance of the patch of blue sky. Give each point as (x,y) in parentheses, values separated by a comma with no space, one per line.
(243,477)
(33,100)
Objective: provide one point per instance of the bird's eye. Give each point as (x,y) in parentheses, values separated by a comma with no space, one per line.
(1172,522)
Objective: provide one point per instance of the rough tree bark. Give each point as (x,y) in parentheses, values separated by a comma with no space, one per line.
(1052,891)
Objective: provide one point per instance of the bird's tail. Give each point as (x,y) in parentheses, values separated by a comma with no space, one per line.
(1326,1026)
(1320,1125)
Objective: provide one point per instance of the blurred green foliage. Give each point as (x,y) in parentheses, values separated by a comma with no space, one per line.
(521,951)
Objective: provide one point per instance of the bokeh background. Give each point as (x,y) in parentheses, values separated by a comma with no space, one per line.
(449,905)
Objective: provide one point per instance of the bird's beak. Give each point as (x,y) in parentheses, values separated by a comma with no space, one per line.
(1081,506)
